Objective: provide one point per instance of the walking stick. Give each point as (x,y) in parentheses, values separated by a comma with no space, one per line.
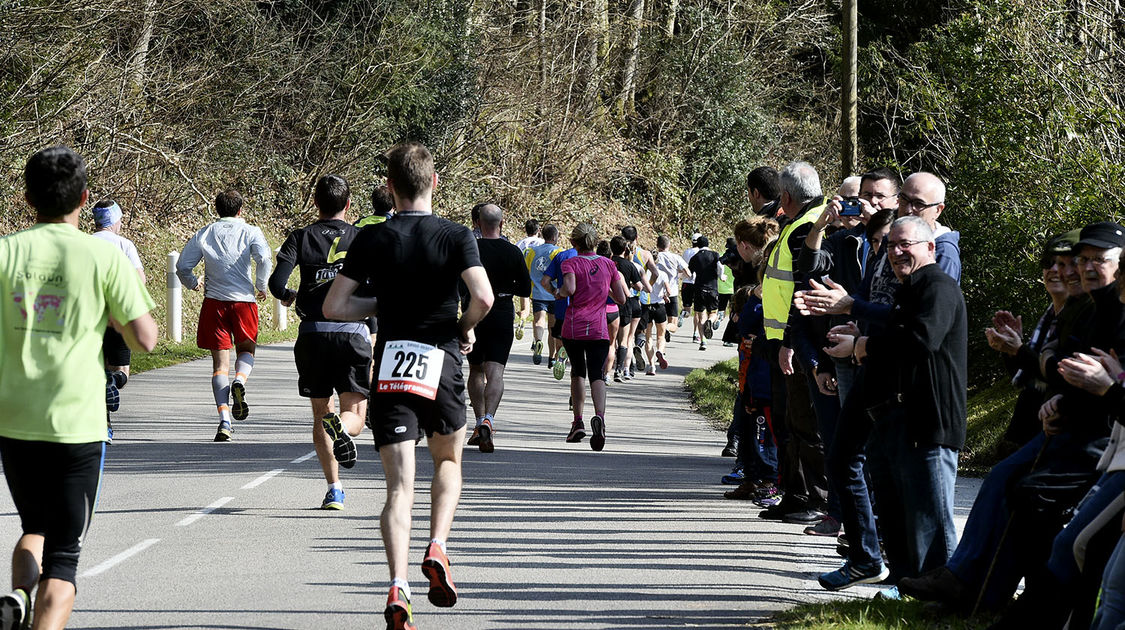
(1004,536)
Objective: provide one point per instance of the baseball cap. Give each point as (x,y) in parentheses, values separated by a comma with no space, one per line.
(1103,235)
(695,237)
(107,216)
(1058,245)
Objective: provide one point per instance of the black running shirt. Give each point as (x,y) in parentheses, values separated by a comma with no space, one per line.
(705,266)
(507,273)
(629,272)
(319,250)
(413,262)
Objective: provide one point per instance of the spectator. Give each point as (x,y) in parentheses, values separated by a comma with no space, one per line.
(763,187)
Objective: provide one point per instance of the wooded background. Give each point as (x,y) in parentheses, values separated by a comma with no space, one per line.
(622,111)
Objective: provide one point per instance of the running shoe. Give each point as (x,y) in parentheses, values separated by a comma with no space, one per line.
(639,340)
(597,440)
(108,432)
(727,344)
(888,594)
(767,495)
(223,434)
(702,345)
(639,357)
(436,568)
(550,363)
(668,335)
(694,338)
(570,403)
(577,432)
(626,377)
(562,354)
(15,610)
(397,612)
(735,477)
(486,445)
(715,324)
(518,332)
(343,446)
(744,492)
(333,500)
(680,321)
(474,439)
(661,361)
(537,352)
(617,376)
(238,408)
(708,331)
(112,395)
(849,575)
(559,371)
(651,371)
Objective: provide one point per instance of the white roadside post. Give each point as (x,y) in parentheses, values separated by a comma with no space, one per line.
(175,300)
(280,312)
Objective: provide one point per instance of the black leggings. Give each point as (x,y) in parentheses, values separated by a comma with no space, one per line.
(587,357)
(55,489)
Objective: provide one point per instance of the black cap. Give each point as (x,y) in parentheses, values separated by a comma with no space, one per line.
(1103,235)
(1060,245)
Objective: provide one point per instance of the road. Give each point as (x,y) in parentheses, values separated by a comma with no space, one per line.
(549,535)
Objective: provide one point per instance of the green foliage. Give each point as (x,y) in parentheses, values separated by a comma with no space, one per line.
(869,614)
(713,391)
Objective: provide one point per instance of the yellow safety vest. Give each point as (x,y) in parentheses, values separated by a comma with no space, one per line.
(778,286)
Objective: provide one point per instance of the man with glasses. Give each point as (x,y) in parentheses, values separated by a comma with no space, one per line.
(923,196)
(920,357)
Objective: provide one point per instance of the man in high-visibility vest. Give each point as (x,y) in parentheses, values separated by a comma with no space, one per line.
(802,461)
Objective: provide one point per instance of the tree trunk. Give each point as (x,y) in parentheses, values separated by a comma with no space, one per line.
(140,51)
(670,19)
(625,103)
(849,140)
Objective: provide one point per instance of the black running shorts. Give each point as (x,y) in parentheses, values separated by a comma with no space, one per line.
(114,348)
(653,314)
(330,362)
(54,488)
(494,339)
(631,309)
(687,291)
(556,328)
(587,357)
(673,307)
(724,300)
(706,300)
(399,417)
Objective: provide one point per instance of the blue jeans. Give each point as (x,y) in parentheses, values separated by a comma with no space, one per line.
(1111,611)
(845,377)
(845,463)
(980,540)
(915,484)
(757,448)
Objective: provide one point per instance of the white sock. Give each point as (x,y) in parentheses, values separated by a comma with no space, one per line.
(439,543)
(220,386)
(336,486)
(243,365)
(402,584)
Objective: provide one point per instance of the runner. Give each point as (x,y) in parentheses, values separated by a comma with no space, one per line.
(630,310)
(331,356)
(588,279)
(107,218)
(551,282)
(421,342)
(612,314)
(675,267)
(61,287)
(531,228)
(643,259)
(687,290)
(538,258)
(382,206)
(708,271)
(230,312)
(508,277)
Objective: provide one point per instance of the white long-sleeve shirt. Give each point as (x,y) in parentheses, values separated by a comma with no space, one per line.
(226,248)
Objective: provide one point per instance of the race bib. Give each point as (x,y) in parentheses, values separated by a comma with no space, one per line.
(410,367)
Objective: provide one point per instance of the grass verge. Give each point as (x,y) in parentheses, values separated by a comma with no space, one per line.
(713,390)
(168,352)
(873,615)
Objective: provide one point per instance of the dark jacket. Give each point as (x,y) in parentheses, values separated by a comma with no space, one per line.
(1083,412)
(919,362)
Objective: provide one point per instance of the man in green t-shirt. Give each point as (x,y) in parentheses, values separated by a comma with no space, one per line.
(59,287)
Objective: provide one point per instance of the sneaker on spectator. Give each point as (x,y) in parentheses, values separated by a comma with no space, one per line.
(744,492)
(768,494)
(889,594)
(778,511)
(828,526)
(937,585)
(735,477)
(849,575)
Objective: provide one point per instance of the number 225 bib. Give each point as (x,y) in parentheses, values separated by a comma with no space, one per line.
(410,367)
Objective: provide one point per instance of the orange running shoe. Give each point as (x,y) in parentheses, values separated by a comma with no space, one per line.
(397,612)
(436,568)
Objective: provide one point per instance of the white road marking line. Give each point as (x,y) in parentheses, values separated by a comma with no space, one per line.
(264,478)
(204,512)
(304,458)
(124,555)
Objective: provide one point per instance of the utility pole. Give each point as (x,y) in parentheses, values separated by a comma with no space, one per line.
(849,141)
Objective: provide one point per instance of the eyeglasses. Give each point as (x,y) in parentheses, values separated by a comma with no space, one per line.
(902,245)
(1097,260)
(916,204)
